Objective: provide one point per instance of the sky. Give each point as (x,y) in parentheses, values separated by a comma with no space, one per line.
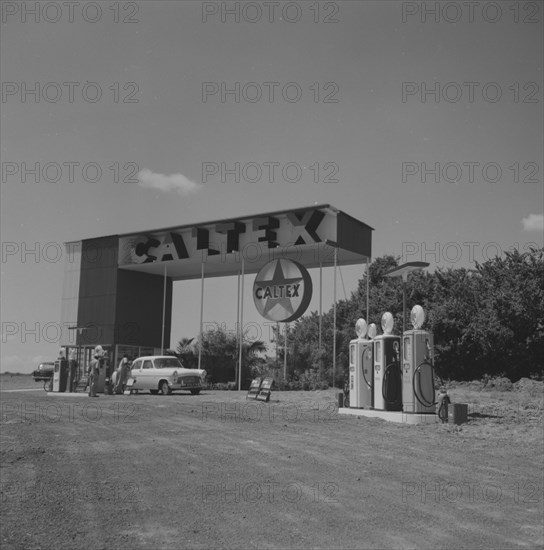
(118,117)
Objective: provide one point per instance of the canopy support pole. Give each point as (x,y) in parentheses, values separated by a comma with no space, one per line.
(367,291)
(163,311)
(201,315)
(237,319)
(334,323)
(320,318)
(285,352)
(241,329)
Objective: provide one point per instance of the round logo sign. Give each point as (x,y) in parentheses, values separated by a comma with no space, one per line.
(282,290)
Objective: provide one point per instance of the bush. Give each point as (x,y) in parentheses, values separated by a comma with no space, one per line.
(220,386)
(303,384)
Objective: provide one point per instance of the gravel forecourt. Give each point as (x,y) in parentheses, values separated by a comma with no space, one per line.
(217,471)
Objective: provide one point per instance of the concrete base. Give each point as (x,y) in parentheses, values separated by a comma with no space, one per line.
(29,389)
(71,394)
(393,416)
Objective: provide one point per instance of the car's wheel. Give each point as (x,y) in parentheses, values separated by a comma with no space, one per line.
(195,392)
(153,392)
(165,388)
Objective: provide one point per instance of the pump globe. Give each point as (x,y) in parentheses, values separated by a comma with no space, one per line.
(387,322)
(417,317)
(360,328)
(372,331)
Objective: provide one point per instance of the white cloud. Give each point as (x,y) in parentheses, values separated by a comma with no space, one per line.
(533,222)
(163,182)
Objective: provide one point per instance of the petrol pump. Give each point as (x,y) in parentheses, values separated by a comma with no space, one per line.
(418,395)
(60,372)
(361,379)
(387,372)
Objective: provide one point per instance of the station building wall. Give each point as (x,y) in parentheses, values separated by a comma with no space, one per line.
(113,306)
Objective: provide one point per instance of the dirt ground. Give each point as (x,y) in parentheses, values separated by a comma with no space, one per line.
(217,471)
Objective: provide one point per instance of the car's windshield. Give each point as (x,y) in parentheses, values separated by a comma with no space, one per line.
(167,363)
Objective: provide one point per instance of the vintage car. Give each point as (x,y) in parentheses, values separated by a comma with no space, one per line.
(164,373)
(44,372)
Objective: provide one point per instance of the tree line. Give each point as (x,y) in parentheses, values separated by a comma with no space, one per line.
(488,320)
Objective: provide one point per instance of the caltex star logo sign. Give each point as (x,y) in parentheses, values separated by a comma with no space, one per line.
(282,290)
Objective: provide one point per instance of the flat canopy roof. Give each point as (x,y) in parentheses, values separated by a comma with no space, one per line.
(308,235)
(404,269)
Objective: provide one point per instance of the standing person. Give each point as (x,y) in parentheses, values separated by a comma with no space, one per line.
(72,372)
(125,374)
(94,370)
(119,379)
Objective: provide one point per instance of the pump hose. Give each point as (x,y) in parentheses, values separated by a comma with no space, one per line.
(364,375)
(423,401)
(442,410)
(387,382)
